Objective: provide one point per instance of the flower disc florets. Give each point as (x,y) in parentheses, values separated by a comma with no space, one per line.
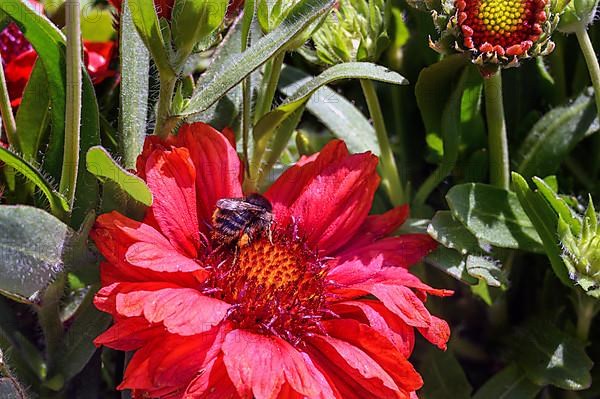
(277,286)
(496,31)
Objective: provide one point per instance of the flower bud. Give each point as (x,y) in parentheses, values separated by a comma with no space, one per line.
(581,250)
(356,31)
(577,13)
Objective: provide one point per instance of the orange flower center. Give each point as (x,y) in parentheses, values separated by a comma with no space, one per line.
(503,26)
(274,287)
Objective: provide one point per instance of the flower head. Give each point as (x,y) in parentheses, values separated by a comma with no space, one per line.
(496,32)
(322,305)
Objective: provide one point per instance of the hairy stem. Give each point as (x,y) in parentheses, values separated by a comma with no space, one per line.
(497,137)
(163,109)
(390,177)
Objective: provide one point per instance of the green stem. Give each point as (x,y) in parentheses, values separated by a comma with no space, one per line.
(497,137)
(268,86)
(249,11)
(49,319)
(591,60)
(68,180)
(8,119)
(163,109)
(586,311)
(390,177)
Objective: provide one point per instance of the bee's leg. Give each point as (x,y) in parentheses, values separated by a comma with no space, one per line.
(270,235)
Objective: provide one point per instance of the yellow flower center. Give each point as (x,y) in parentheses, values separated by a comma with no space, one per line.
(275,287)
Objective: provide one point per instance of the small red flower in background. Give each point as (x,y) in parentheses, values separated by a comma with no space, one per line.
(324,308)
(18,58)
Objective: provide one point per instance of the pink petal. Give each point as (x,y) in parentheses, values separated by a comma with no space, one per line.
(171,175)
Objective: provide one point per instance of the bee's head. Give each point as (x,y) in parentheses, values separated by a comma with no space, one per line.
(259,200)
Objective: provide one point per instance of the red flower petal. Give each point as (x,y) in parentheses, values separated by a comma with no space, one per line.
(170,364)
(213,383)
(125,243)
(97,60)
(404,250)
(334,204)
(376,227)
(17,73)
(260,365)
(128,334)
(380,319)
(438,332)
(218,167)
(353,373)
(171,177)
(378,348)
(288,187)
(183,311)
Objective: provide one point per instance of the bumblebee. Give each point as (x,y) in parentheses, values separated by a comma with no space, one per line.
(241,220)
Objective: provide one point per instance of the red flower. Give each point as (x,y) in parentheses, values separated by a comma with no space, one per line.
(324,308)
(18,59)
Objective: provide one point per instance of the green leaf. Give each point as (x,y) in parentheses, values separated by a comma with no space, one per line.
(86,192)
(452,234)
(340,116)
(510,383)
(452,263)
(193,20)
(240,66)
(555,135)
(443,377)
(545,221)
(49,44)
(57,202)
(146,22)
(551,357)
(558,204)
(486,269)
(33,114)
(494,216)
(33,244)
(451,133)
(77,346)
(350,70)
(100,164)
(433,89)
(135,67)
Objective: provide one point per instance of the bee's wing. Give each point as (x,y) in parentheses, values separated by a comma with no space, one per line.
(238,204)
